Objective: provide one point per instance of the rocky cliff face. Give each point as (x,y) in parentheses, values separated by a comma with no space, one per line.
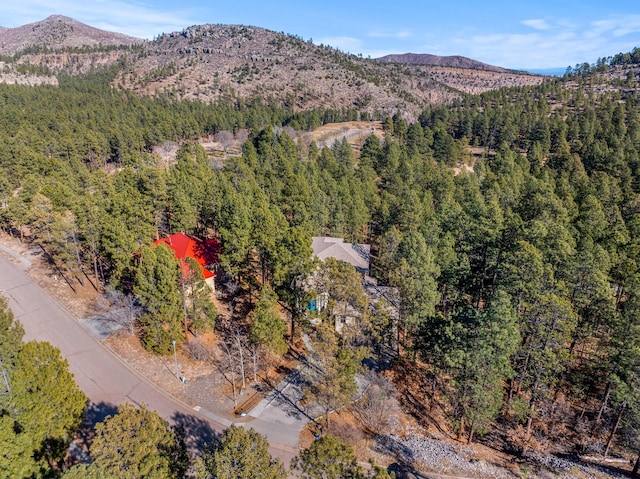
(9,75)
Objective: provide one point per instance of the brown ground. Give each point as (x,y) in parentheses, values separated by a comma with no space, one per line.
(80,303)
(205,388)
(208,388)
(356,132)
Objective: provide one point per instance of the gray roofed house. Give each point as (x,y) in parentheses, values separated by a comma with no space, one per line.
(353,253)
(358,256)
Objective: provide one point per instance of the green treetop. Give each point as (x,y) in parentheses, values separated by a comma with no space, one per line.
(239,454)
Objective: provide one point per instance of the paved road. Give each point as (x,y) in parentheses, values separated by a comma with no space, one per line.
(106,380)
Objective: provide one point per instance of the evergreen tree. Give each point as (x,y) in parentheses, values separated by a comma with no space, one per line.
(543,354)
(327,458)
(239,454)
(331,378)
(87,471)
(44,409)
(11,333)
(200,309)
(481,362)
(415,276)
(136,443)
(267,327)
(157,286)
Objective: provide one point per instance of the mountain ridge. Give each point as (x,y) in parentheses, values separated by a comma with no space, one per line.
(249,61)
(214,62)
(453,61)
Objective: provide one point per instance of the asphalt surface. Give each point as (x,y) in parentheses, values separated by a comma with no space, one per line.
(106,380)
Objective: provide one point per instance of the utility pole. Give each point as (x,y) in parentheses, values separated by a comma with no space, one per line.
(175,357)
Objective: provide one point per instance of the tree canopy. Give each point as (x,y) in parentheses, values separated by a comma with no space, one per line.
(239,454)
(517,207)
(135,443)
(41,404)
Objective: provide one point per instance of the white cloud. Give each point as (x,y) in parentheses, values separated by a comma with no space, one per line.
(402,34)
(343,43)
(630,25)
(560,43)
(537,23)
(615,26)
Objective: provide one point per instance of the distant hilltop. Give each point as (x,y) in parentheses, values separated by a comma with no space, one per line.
(221,62)
(59,32)
(455,61)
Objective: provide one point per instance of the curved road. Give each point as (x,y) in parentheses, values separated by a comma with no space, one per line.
(105,378)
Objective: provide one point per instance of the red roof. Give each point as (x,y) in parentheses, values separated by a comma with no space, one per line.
(204,252)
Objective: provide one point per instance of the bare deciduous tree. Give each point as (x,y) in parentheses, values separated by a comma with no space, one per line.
(197,350)
(242,136)
(235,353)
(377,406)
(225,363)
(225,138)
(120,311)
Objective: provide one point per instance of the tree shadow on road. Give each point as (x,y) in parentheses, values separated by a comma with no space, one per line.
(93,414)
(196,432)
(287,396)
(97,412)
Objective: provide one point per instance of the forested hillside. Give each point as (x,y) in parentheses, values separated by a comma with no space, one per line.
(229,62)
(509,221)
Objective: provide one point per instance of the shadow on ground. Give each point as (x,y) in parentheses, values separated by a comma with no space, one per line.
(197,432)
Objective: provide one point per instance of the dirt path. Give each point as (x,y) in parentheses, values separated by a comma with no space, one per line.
(356,132)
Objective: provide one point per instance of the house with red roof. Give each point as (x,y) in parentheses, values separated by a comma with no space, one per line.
(204,252)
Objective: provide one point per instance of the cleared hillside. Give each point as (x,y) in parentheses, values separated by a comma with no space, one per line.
(232,62)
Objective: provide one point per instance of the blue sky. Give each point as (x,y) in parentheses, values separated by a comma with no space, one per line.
(512,34)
